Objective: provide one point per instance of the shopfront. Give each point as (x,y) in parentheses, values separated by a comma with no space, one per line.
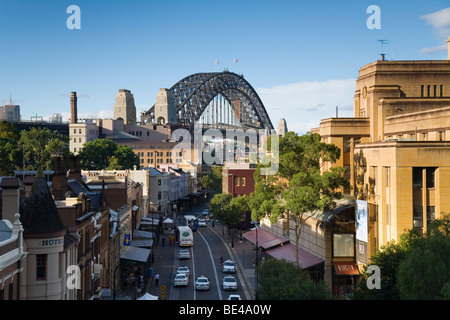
(345,277)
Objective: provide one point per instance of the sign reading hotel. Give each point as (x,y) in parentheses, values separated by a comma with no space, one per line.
(361,231)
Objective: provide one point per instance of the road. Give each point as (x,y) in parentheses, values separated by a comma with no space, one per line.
(204,260)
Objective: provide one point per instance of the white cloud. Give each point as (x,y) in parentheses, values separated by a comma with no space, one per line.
(304,104)
(440,20)
(426,51)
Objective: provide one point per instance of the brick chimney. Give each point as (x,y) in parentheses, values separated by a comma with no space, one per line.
(73,108)
(59,181)
(10,198)
(75,168)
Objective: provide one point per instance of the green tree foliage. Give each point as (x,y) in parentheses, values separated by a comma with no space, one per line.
(213,180)
(9,156)
(39,145)
(299,191)
(283,280)
(425,272)
(106,154)
(417,267)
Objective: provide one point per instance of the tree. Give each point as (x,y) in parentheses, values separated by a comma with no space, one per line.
(9,156)
(283,280)
(417,267)
(425,271)
(107,154)
(299,191)
(126,158)
(213,180)
(39,145)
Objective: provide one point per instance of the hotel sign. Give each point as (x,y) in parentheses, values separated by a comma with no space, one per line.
(51,242)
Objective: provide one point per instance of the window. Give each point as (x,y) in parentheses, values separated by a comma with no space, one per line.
(428,90)
(430,214)
(41,266)
(236,181)
(343,245)
(422,87)
(243,181)
(159,182)
(347,144)
(417,178)
(387,176)
(435,90)
(79,131)
(431,183)
(418,216)
(442,90)
(74,130)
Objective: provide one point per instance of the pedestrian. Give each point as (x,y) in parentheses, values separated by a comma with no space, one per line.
(221,259)
(156,279)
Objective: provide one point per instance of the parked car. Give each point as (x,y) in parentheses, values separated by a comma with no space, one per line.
(181,279)
(184,254)
(184,270)
(202,283)
(228,266)
(229,283)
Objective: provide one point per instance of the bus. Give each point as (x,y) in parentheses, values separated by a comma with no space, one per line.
(184,236)
(191,222)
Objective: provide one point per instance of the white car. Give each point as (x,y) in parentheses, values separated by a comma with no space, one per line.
(228,266)
(205,212)
(202,283)
(184,270)
(184,254)
(234,297)
(181,280)
(201,223)
(229,283)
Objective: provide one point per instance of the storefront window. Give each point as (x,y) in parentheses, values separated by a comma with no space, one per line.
(343,245)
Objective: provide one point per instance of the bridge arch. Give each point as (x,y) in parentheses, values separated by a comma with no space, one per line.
(194,93)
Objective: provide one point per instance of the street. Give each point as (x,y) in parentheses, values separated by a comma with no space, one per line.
(204,260)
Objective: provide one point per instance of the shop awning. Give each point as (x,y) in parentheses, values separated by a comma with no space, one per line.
(266,239)
(288,253)
(136,255)
(346,268)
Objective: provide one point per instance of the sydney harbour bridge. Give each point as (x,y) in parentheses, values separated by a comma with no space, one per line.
(222,100)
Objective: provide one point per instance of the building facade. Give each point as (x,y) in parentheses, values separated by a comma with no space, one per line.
(395,148)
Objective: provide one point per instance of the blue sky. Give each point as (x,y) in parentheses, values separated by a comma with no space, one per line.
(302,57)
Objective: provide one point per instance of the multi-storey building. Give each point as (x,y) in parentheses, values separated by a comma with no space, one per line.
(396,148)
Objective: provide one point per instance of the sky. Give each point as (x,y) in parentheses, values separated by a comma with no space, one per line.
(302,57)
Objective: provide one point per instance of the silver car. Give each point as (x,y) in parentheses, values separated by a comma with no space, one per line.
(229,283)
(202,283)
(184,270)
(181,280)
(184,254)
(228,266)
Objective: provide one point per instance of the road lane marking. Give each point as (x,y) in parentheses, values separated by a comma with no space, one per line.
(214,266)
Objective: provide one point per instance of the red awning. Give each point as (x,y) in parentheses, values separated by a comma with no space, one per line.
(266,239)
(346,268)
(287,252)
